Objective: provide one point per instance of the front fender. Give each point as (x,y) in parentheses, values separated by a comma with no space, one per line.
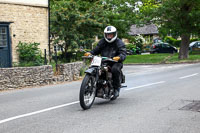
(91,71)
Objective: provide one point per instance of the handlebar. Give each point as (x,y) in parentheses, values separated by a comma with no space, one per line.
(104,59)
(109,59)
(87,57)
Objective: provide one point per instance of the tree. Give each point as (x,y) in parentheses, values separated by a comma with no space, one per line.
(176,16)
(120,13)
(76,22)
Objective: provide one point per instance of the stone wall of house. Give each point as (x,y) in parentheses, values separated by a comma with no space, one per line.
(29,24)
(19,77)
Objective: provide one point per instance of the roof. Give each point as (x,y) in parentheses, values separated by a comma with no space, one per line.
(145,30)
(41,3)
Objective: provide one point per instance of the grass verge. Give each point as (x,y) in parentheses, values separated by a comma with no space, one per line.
(160,59)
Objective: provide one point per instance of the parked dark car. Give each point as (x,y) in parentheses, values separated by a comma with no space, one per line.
(163,48)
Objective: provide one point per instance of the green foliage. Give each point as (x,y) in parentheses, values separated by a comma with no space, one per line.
(121,14)
(73,56)
(151,58)
(194,39)
(175,42)
(193,57)
(195,53)
(95,44)
(169,40)
(133,48)
(159,58)
(172,41)
(29,54)
(130,46)
(175,17)
(75,23)
(138,41)
(82,71)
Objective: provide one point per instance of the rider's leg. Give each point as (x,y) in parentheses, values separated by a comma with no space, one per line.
(116,75)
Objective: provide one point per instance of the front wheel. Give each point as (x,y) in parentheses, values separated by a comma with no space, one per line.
(87,91)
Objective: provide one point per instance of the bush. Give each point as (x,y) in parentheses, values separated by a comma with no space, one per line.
(172,41)
(133,48)
(95,44)
(130,46)
(176,43)
(71,56)
(137,40)
(29,54)
(196,39)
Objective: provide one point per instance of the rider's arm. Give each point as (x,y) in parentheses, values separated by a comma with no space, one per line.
(98,48)
(122,51)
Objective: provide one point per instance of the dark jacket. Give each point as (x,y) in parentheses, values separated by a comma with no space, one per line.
(116,48)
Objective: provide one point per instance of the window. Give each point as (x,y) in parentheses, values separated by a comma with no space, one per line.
(3,37)
(164,45)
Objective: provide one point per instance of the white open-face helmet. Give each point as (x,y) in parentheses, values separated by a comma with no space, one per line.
(110,30)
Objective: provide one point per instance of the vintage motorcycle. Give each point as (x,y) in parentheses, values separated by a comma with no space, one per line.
(98,81)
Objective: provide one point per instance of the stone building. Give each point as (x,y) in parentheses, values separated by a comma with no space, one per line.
(25,21)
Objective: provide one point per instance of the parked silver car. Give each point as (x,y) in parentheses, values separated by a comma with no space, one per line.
(194,46)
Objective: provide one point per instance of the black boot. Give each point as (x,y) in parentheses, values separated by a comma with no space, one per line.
(116,94)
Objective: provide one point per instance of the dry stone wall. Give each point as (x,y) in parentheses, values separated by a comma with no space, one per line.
(75,68)
(20,77)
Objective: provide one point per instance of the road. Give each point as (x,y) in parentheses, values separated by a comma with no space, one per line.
(153,102)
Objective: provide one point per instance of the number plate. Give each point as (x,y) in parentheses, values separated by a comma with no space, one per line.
(96,61)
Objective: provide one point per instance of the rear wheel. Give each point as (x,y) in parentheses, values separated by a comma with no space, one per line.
(87,91)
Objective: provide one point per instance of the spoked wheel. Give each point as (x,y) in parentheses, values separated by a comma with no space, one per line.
(87,92)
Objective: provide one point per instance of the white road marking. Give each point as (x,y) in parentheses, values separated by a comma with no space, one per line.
(189,76)
(151,68)
(37,112)
(144,85)
(64,105)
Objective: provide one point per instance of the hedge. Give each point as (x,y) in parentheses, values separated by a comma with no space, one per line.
(177,43)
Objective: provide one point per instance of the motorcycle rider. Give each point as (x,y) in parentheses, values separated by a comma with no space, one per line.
(112,47)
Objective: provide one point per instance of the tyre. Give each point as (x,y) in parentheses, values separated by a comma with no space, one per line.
(113,98)
(87,91)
